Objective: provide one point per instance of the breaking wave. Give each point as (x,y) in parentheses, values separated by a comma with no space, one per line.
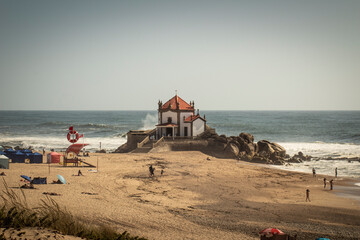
(60,143)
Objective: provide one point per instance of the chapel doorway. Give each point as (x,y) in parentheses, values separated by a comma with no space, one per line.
(169,131)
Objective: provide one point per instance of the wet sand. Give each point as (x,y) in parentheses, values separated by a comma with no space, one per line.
(196,198)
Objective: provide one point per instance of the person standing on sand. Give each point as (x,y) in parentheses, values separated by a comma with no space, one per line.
(308,195)
(331,184)
(151,170)
(336,172)
(324,182)
(314,172)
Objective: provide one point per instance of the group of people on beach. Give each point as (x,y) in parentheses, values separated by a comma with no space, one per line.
(331,183)
(325,181)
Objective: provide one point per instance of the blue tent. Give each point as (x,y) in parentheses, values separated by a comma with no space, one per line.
(18,157)
(9,153)
(26,151)
(35,157)
(10,150)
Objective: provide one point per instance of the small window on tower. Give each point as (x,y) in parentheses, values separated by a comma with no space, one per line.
(169,119)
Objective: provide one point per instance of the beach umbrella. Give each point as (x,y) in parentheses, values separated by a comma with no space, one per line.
(26,177)
(61,178)
(271,232)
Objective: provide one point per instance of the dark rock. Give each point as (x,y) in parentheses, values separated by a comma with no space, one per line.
(268,148)
(294,160)
(245,145)
(247,137)
(231,150)
(279,161)
(242,154)
(259,159)
(280,150)
(265,146)
(301,157)
(221,138)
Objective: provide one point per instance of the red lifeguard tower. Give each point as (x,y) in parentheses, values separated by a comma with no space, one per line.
(72,152)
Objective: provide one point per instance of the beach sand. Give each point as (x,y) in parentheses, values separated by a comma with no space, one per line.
(195,198)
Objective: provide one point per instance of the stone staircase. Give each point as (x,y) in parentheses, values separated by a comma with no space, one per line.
(145,148)
(142,150)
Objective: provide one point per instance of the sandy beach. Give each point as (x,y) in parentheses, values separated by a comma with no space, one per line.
(197,197)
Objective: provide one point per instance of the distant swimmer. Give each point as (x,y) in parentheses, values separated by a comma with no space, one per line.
(324,182)
(308,195)
(314,172)
(336,172)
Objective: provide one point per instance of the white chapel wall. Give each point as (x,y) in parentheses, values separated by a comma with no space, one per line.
(166,115)
(182,132)
(183,124)
(198,127)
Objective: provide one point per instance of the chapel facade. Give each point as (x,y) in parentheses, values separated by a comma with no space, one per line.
(176,118)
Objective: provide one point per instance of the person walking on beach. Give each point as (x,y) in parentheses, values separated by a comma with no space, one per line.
(308,195)
(314,172)
(151,170)
(331,184)
(324,182)
(336,172)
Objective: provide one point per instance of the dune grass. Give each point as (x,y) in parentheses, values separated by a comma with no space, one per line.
(16,213)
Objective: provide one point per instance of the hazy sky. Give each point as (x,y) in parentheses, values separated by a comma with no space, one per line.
(231,55)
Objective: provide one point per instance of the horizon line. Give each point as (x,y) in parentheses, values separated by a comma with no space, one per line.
(230,110)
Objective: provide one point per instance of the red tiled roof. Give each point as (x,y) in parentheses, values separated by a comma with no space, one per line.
(174,101)
(193,118)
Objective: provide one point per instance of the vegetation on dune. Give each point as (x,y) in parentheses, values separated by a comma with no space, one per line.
(16,213)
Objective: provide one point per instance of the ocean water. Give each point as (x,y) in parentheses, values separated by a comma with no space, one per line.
(317,133)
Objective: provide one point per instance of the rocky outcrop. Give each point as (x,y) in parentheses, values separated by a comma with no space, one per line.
(300,157)
(243,147)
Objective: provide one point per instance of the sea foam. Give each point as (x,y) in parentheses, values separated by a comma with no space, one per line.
(323,150)
(61,143)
